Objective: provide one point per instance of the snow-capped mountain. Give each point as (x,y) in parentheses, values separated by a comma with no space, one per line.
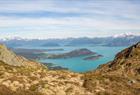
(116,40)
(124,35)
(12,38)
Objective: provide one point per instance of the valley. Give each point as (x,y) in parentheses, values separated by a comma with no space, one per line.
(20,76)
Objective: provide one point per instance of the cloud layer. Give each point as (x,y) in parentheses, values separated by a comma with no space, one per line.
(68,18)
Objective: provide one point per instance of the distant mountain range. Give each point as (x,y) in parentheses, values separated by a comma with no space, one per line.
(116,40)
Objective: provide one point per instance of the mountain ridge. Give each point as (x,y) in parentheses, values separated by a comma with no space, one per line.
(122,40)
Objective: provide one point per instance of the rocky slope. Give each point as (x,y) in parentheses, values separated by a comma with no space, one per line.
(119,77)
(9,57)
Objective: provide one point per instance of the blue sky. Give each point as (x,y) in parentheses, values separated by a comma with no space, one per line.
(68,18)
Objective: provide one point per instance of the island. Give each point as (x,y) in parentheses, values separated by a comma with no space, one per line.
(34,54)
(38,54)
(74,53)
(94,57)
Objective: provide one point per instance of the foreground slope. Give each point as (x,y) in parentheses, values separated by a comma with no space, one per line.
(20,76)
(119,77)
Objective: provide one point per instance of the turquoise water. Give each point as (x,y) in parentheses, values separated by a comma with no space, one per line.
(78,64)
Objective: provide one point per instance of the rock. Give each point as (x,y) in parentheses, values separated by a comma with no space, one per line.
(16,83)
(6,83)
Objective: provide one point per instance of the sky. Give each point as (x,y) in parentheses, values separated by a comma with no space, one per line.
(43,19)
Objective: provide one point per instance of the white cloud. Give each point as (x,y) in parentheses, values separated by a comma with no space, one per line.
(108,7)
(102,16)
(98,24)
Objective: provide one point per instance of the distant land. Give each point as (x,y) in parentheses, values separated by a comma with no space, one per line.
(116,40)
(34,54)
(49,44)
(37,54)
(74,53)
(52,67)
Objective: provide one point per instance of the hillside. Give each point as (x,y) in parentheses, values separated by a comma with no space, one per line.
(118,77)
(19,76)
(9,57)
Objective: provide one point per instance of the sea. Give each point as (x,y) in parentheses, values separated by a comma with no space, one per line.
(77,64)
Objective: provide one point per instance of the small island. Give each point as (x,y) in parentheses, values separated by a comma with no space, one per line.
(94,57)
